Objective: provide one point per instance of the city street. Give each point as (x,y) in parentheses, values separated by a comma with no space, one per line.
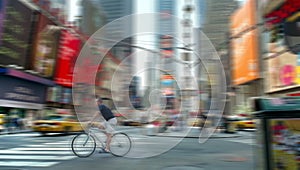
(32,151)
(193,84)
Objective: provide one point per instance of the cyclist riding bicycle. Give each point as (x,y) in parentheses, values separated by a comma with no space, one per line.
(108,125)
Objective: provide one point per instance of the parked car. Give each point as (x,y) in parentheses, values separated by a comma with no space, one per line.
(57,123)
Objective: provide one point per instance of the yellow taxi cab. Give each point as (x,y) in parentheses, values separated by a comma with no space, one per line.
(194,122)
(2,121)
(57,123)
(245,123)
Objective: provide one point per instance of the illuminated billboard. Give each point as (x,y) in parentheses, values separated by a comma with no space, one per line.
(17,21)
(55,8)
(45,47)
(2,16)
(69,49)
(166,46)
(244,48)
(283,68)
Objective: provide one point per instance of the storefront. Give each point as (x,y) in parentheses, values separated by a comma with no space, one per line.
(281,45)
(22,96)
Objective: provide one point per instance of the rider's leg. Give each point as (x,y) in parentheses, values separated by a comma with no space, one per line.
(109,128)
(108,141)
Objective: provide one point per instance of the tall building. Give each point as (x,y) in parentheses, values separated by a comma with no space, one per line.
(166,29)
(214,16)
(216,20)
(119,29)
(92,17)
(115,9)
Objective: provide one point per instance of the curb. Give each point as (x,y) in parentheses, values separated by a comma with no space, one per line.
(194,136)
(15,132)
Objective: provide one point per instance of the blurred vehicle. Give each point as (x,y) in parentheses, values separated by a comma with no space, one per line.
(131,123)
(197,122)
(244,123)
(120,117)
(57,123)
(125,121)
(2,122)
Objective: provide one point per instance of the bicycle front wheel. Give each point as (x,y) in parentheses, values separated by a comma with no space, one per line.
(120,144)
(83,145)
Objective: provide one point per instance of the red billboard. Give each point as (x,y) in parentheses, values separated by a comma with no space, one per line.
(69,48)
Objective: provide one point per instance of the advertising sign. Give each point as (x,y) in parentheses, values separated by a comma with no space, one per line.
(167,80)
(66,96)
(285,144)
(45,47)
(51,94)
(59,94)
(244,48)
(166,46)
(2,16)
(69,49)
(283,71)
(55,7)
(17,20)
(19,90)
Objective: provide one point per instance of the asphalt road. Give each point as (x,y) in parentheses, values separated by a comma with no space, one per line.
(31,151)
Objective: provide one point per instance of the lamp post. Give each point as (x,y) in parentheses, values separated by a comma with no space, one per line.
(188,85)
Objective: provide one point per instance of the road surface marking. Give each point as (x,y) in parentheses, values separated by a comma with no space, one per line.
(38,157)
(27,163)
(36,152)
(41,145)
(20,135)
(41,149)
(58,143)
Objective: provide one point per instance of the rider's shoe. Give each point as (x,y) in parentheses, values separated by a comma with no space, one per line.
(104,151)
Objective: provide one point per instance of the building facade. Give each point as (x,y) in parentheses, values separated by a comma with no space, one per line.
(213,37)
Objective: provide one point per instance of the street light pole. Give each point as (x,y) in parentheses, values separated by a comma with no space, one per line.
(187,88)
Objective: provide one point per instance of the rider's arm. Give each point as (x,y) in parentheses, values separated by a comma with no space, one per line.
(95,116)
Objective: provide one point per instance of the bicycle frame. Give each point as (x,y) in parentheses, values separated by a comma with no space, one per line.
(92,133)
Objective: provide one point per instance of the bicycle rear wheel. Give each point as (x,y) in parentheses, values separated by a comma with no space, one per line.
(120,144)
(83,145)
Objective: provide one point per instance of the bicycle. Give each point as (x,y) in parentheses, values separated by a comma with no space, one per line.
(84,144)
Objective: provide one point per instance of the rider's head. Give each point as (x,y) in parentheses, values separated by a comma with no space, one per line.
(99,100)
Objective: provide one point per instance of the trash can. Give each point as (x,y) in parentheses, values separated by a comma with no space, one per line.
(278,133)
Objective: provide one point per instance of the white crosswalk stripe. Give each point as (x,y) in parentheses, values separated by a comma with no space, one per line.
(21,134)
(26,163)
(45,154)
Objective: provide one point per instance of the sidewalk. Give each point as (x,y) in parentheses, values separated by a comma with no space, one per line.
(191,132)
